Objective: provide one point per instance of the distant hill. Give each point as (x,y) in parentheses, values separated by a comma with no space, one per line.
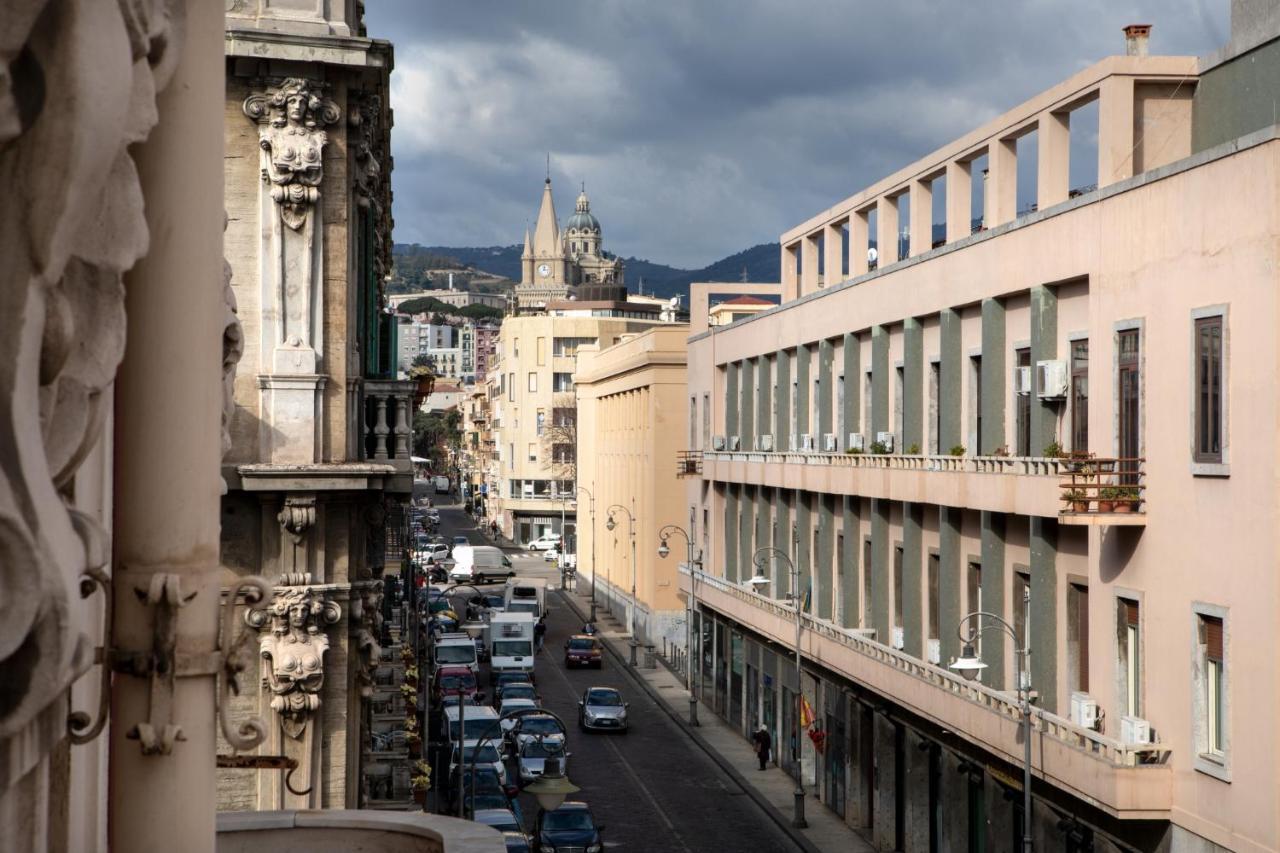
(418,267)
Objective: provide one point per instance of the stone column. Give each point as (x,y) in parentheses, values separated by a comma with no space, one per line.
(1053,161)
(959,200)
(782,540)
(832,254)
(1002,183)
(994,378)
(880,573)
(825,556)
(850,590)
(746,418)
(1044,346)
(731,401)
(801,401)
(852,387)
(950,369)
(912,584)
(879,382)
(1044,611)
(782,402)
(859,227)
(808,264)
(746,521)
(789,281)
(804,545)
(1115,130)
(913,385)
(950,582)
(168,410)
(731,532)
(993,580)
(886,231)
(764,394)
(826,358)
(921,235)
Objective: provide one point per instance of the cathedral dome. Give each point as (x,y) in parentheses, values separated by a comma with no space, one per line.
(582,220)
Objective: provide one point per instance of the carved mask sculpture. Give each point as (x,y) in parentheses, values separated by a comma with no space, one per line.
(293,652)
(291,120)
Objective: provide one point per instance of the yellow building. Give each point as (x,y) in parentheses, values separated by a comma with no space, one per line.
(631,420)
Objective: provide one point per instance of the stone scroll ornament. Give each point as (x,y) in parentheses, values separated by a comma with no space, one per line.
(292,118)
(293,652)
(78,84)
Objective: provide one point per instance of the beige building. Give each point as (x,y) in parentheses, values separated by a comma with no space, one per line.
(631,418)
(1065,419)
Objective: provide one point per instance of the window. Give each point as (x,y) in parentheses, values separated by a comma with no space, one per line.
(1208,390)
(898,434)
(1078,637)
(1129,400)
(533,451)
(561,382)
(511,387)
(934,625)
(533,383)
(935,409)
(973,591)
(1080,396)
(564,416)
(568,347)
(975,405)
(542,421)
(1130,656)
(1022,618)
(1022,358)
(706,421)
(867,620)
(511,455)
(542,351)
(562,454)
(897,591)
(1212,722)
(693,421)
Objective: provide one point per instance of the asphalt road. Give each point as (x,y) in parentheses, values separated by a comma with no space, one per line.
(652,788)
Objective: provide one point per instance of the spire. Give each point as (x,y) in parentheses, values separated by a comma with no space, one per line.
(528,246)
(546,232)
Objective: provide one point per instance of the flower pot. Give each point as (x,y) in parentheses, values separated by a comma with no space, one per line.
(1106,506)
(1079,506)
(1126,506)
(420,797)
(415,749)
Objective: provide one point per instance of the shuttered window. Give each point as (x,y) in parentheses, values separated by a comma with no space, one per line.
(1130,647)
(1214,685)
(1208,390)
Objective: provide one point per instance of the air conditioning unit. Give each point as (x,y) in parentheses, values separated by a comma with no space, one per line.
(806,442)
(885,438)
(855,441)
(764,443)
(830,443)
(735,443)
(717,442)
(1134,730)
(935,652)
(1052,379)
(899,638)
(1084,710)
(1022,380)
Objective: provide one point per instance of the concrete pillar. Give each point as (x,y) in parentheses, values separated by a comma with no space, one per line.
(826,359)
(808,264)
(804,545)
(168,406)
(994,378)
(731,532)
(732,402)
(764,394)
(826,555)
(849,587)
(913,386)
(920,238)
(887,230)
(886,768)
(1044,611)
(880,571)
(993,587)
(1002,182)
(803,358)
(782,539)
(747,404)
(782,401)
(916,760)
(959,202)
(1044,346)
(1115,130)
(1053,158)
(950,581)
(746,522)
(832,254)
(951,369)
(879,381)
(858,243)
(852,387)
(912,581)
(790,281)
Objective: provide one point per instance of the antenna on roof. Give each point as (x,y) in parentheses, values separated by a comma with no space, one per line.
(744,273)
(548,167)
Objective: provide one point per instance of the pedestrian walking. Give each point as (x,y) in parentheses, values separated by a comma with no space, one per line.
(540,631)
(763,744)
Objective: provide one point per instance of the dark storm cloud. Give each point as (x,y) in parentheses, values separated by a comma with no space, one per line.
(702,127)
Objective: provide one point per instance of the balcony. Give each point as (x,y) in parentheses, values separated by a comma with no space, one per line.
(688,463)
(338,829)
(1104,492)
(386,408)
(1132,781)
(1021,484)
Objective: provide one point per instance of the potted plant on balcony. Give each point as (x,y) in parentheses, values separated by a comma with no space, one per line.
(409,691)
(914,450)
(1053,450)
(411,675)
(1127,499)
(406,654)
(1002,451)
(1077,500)
(1107,496)
(957,450)
(879,448)
(414,740)
(421,782)
(853,451)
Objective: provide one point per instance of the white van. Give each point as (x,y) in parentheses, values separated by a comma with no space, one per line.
(511,644)
(454,650)
(479,720)
(479,564)
(525,595)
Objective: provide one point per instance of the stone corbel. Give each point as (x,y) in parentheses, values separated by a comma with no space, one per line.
(297,517)
(366,628)
(293,652)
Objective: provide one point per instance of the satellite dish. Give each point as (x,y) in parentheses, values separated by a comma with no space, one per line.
(872,254)
(675,301)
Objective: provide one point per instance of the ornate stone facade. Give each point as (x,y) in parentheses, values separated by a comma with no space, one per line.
(292,649)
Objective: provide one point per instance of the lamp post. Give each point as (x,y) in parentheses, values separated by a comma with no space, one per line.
(611,524)
(550,789)
(591,504)
(663,551)
(760,559)
(969,664)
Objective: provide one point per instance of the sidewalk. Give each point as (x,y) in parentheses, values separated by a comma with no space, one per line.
(772,789)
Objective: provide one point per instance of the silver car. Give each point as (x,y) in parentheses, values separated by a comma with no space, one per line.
(533,756)
(602,709)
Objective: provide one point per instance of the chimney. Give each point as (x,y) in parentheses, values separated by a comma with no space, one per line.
(1136,37)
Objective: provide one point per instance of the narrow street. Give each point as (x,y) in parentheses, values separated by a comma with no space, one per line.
(652,788)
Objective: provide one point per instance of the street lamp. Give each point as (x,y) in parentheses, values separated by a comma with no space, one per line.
(550,789)
(663,550)
(760,560)
(610,525)
(970,664)
(591,504)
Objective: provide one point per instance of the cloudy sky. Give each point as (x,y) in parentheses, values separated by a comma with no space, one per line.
(702,127)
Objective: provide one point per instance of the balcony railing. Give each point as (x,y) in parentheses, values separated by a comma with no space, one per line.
(688,463)
(1103,492)
(385,425)
(1047,724)
(1024,465)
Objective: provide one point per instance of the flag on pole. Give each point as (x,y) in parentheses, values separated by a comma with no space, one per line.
(808,598)
(806,713)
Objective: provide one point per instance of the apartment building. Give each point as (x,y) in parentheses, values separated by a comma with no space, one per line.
(1064,417)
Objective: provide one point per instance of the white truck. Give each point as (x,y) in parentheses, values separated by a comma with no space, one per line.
(511,644)
(441,483)
(479,563)
(525,595)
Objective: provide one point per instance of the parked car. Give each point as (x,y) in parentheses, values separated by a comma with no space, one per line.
(517,842)
(459,540)
(503,820)
(542,543)
(454,681)
(535,727)
(484,756)
(490,793)
(500,683)
(517,690)
(602,709)
(551,554)
(569,827)
(583,650)
(532,759)
(512,704)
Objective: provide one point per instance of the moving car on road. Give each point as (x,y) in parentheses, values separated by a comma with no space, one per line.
(602,709)
(542,543)
(569,827)
(583,650)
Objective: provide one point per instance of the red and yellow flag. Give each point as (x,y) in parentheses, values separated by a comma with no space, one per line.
(806,713)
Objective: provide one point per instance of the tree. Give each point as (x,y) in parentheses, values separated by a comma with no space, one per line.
(560,437)
(435,433)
